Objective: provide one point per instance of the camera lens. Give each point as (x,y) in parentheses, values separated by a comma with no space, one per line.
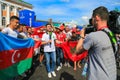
(89,30)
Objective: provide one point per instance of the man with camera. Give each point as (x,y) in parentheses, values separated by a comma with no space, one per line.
(101,58)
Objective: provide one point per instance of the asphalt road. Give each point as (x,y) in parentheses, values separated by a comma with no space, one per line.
(66,73)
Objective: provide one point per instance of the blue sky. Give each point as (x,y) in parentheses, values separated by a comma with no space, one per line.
(76,11)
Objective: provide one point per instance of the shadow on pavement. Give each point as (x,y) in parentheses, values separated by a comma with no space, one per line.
(66,76)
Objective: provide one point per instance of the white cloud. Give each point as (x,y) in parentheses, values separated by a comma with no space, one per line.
(82,4)
(116,3)
(51,11)
(85,19)
(110,2)
(67,10)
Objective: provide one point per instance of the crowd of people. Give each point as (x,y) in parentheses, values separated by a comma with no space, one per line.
(50,38)
(101,58)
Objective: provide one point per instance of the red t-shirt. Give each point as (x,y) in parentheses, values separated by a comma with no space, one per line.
(60,37)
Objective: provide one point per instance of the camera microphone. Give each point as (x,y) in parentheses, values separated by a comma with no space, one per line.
(50,37)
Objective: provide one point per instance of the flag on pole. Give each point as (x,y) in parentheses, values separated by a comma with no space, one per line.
(15,56)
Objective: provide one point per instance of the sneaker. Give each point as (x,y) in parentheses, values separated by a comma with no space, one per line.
(61,64)
(65,64)
(53,73)
(68,64)
(49,75)
(58,68)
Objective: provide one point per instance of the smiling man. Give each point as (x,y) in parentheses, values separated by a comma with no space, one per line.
(10,30)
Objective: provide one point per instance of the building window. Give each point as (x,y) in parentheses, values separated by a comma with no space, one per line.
(18,10)
(11,8)
(3,6)
(3,21)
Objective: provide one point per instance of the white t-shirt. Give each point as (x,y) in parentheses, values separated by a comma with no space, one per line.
(9,32)
(51,46)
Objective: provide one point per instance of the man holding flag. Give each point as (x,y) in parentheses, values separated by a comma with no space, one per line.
(15,54)
(10,30)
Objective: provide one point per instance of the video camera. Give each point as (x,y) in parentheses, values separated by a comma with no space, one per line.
(90,28)
(114,22)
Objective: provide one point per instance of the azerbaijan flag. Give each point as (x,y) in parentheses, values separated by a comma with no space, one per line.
(15,56)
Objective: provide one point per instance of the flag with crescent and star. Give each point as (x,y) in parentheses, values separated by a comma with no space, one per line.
(15,56)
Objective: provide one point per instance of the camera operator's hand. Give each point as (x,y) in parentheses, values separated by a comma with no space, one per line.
(82,33)
(79,47)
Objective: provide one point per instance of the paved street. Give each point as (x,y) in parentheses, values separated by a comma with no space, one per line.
(66,73)
(39,73)
(118,74)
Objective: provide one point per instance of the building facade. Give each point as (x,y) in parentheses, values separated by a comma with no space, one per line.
(9,8)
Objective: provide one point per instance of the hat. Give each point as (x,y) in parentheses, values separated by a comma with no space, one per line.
(61,27)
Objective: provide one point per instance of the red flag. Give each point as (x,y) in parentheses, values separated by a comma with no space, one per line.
(37,44)
(69,48)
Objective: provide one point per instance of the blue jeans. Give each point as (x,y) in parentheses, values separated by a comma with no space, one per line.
(59,54)
(50,61)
